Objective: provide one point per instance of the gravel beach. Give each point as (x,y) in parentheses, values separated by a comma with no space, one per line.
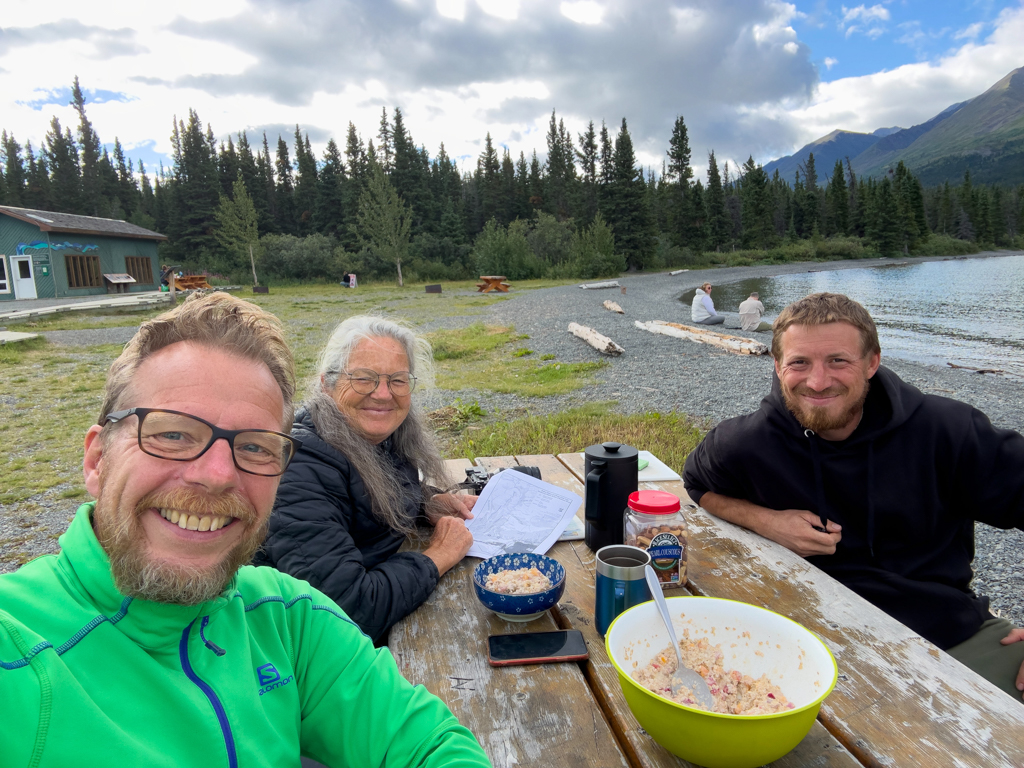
(656,373)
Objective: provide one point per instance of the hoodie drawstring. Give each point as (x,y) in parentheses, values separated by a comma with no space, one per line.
(209,644)
(819,487)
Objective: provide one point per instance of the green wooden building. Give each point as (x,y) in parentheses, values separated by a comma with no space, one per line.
(48,255)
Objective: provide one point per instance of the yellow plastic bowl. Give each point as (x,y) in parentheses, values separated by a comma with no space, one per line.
(792,657)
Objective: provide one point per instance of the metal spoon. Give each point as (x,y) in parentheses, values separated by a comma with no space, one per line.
(683,676)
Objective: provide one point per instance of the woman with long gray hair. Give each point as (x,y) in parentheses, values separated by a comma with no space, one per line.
(353,492)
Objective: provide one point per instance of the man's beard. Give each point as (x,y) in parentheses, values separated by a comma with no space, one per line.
(819,419)
(137,575)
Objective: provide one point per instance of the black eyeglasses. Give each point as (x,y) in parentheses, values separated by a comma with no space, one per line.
(178,436)
(364,381)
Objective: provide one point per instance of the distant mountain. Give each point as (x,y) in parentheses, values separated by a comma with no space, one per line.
(985,134)
(838,145)
(886,152)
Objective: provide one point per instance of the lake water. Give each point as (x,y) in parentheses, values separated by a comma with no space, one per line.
(967,312)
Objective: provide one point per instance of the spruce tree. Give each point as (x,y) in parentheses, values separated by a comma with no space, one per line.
(756,211)
(195,193)
(719,224)
(625,206)
(385,144)
(682,208)
(357,164)
(237,230)
(837,201)
(488,180)
(329,217)
(14,171)
(587,154)
(384,220)
(409,175)
(265,174)
(883,229)
(127,186)
(92,197)
(286,215)
(65,172)
(229,166)
(249,166)
(305,184)
(38,192)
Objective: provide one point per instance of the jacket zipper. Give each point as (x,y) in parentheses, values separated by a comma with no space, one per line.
(222,717)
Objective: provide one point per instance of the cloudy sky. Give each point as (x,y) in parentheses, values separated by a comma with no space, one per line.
(750,77)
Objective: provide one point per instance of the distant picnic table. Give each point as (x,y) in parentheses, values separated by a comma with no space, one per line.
(899,699)
(492,283)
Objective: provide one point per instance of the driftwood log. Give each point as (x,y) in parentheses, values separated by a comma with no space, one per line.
(607,284)
(598,341)
(611,306)
(679,271)
(735,344)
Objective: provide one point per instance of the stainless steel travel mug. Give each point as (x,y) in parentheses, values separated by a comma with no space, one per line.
(621,583)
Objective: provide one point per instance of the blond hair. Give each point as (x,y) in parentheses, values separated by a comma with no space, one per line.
(216,320)
(822,309)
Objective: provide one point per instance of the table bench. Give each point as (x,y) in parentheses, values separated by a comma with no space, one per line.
(492,283)
(899,700)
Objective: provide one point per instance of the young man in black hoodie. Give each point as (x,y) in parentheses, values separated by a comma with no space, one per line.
(872,481)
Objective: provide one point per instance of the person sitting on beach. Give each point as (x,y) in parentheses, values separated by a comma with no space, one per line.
(702,310)
(871,480)
(353,491)
(750,313)
(147,641)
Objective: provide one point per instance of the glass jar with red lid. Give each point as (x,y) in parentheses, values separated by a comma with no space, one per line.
(654,521)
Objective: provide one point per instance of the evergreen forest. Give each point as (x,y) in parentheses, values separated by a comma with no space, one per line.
(385,209)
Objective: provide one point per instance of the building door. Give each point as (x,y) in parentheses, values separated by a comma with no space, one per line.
(21,274)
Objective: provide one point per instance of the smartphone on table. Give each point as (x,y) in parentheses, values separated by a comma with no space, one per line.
(536,647)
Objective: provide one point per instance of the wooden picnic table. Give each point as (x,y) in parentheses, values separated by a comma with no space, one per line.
(492,283)
(899,700)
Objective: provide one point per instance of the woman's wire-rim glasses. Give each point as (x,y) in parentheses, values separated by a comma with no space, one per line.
(365,382)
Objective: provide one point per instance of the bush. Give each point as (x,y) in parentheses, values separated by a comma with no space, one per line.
(498,251)
(944,245)
(286,257)
(592,252)
(550,239)
(440,258)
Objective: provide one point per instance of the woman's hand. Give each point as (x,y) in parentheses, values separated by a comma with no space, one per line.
(449,544)
(450,505)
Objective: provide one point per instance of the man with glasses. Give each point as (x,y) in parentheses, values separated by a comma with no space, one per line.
(144,641)
(871,480)
(359,483)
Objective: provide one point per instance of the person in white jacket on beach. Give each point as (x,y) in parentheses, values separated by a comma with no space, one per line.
(702,310)
(750,313)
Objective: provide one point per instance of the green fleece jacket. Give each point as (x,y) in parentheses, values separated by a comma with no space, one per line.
(269,670)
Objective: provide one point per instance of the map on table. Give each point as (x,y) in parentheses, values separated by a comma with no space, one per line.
(519,513)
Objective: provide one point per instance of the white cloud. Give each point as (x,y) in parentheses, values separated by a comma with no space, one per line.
(583,11)
(907,95)
(830,62)
(970,32)
(863,13)
(452,9)
(502,9)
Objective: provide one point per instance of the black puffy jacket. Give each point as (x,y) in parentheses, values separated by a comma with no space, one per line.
(323,530)
(906,486)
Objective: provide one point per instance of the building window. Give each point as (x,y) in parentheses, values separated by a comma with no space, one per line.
(140,268)
(5,285)
(83,271)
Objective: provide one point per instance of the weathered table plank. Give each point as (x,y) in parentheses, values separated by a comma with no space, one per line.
(818,748)
(523,715)
(899,699)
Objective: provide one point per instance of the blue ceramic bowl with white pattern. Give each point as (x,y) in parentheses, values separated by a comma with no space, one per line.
(519,607)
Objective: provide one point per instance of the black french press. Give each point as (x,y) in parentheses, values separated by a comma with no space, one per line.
(611,475)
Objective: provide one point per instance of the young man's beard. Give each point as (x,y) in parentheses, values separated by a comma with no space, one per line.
(136,575)
(819,419)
